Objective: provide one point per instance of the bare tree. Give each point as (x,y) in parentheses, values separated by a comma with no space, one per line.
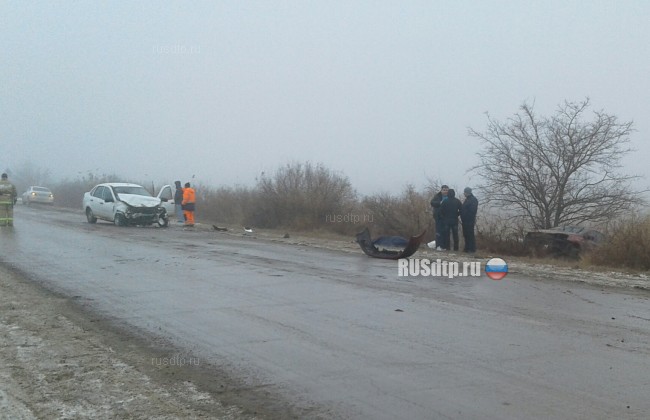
(558,170)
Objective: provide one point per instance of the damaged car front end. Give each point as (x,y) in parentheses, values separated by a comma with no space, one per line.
(125,205)
(140,215)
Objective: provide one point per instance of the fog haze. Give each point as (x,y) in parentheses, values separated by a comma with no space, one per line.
(382,91)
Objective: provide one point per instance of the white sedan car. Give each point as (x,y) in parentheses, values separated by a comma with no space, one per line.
(38,195)
(124,204)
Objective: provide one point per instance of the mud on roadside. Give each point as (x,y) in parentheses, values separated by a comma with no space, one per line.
(60,362)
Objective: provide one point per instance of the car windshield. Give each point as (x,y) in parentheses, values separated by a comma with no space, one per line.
(41,189)
(135,190)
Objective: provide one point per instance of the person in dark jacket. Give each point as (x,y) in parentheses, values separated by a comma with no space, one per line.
(468,219)
(178,202)
(449,212)
(436,201)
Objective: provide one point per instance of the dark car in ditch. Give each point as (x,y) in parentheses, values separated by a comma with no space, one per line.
(567,241)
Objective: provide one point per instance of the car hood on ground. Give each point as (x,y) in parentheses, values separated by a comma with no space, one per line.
(139,200)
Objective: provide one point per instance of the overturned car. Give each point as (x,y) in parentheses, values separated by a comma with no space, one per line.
(568,241)
(124,204)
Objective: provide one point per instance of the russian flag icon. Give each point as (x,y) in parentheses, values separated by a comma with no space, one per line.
(496,269)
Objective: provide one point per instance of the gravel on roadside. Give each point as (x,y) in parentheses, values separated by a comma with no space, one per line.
(54,366)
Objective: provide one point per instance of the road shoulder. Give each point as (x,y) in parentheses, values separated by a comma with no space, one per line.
(58,361)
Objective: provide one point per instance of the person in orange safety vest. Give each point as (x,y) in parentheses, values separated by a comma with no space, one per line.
(189,203)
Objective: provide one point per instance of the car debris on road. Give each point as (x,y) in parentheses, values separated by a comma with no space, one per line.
(369,246)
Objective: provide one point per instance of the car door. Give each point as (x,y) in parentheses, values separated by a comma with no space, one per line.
(95,200)
(110,202)
(166,195)
(98,203)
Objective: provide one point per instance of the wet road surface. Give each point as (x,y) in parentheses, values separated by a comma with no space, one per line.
(343,335)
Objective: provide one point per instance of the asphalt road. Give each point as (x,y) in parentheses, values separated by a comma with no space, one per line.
(341,335)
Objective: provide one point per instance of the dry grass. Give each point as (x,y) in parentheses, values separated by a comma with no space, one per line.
(627,245)
(497,235)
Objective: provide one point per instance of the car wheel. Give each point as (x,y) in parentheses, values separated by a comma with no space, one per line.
(90,216)
(163,221)
(120,220)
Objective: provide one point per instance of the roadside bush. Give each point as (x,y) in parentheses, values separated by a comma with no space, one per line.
(405,215)
(69,193)
(229,205)
(301,196)
(306,197)
(498,235)
(627,245)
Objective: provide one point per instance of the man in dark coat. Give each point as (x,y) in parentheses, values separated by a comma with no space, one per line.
(436,201)
(449,212)
(468,218)
(178,200)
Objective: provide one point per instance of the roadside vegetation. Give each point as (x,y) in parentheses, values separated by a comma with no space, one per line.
(627,245)
(311,199)
(536,172)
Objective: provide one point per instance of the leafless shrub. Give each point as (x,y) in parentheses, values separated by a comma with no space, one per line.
(404,215)
(301,196)
(499,235)
(69,193)
(228,205)
(627,245)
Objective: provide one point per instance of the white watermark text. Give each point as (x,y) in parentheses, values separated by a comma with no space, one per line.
(424,267)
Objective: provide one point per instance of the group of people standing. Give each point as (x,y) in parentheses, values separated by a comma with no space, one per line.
(446,210)
(185,203)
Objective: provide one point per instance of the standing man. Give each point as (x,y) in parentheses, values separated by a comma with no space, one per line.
(436,201)
(178,202)
(449,212)
(8,197)
(189,203)
(468,219)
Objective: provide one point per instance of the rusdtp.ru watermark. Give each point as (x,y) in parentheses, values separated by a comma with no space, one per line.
(349,218)
(424,267)
(175,360)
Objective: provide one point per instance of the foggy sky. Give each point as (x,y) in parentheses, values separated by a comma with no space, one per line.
(382,91)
